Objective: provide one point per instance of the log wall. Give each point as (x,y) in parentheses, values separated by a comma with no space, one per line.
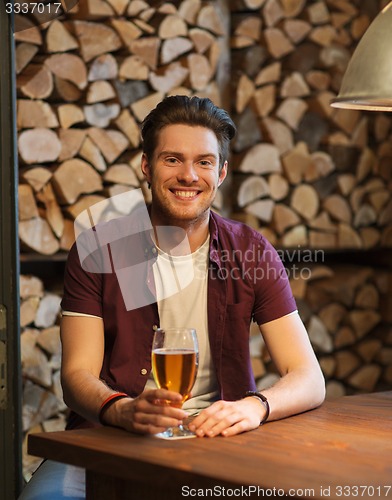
(307,174)
(85,82)
(347,312)
(304,174)
(346,309)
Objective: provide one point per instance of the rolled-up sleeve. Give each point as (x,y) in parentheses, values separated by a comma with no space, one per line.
(273,295)
(82,289)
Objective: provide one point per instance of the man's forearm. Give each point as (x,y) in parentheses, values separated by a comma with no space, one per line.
(84,393)
(295,392)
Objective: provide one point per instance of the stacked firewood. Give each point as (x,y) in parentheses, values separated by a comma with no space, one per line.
(85,81)
(347,312)
(43,405)
(307,174)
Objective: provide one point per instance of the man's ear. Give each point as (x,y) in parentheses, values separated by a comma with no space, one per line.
(222,173)
(146,168)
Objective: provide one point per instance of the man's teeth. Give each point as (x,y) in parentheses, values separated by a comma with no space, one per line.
(185,194)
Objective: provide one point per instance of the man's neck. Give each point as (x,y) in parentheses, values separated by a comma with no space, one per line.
(196,232)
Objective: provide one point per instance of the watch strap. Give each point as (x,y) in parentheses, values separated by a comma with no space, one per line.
(263,400)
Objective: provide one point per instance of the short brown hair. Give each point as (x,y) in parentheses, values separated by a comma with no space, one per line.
(193,111)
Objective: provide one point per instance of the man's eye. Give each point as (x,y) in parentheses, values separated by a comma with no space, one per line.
(206,163)
(171,160)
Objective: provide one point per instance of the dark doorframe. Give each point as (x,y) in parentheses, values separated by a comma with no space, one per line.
(10,370)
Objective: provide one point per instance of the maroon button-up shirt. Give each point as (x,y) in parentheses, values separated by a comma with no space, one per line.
(247,281)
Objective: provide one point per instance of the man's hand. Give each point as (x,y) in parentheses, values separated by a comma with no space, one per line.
(151,412)
(228,418)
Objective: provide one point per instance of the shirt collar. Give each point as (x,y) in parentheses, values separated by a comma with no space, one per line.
(214,238)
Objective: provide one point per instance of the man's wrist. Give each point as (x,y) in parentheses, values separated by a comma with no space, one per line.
(107,403)
(263,400)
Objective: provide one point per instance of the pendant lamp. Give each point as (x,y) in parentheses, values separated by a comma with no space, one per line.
(367,83)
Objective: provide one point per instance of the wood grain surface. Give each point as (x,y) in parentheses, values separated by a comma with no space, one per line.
(344,443)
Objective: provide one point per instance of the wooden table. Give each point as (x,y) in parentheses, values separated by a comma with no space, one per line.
(340,450)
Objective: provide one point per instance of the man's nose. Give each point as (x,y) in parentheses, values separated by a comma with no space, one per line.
(187,173)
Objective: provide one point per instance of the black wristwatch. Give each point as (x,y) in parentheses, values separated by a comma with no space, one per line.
(263,400)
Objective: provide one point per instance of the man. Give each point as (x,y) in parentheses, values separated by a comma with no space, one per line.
(185,144)
(236,277)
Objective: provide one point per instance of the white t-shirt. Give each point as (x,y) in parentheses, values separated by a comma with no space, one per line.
(181,285)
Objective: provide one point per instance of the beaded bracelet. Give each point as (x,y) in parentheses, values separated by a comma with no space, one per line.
(108,402)
(263,400)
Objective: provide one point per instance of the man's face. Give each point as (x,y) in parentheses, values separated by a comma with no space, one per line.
(184,174)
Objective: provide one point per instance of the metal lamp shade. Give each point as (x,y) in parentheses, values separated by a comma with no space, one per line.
(367,83)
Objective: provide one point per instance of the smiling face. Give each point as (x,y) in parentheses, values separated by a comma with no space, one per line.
(184,175)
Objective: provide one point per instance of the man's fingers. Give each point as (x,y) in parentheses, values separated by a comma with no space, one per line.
(157,420)
(153,411)
(149,423)
(163,395)
(223,418)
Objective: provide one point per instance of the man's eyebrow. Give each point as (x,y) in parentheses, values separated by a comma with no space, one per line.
(181,155)
(208,155)
(169,153)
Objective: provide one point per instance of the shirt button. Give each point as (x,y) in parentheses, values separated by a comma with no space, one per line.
(154,250)
(143,371)
(154,327)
